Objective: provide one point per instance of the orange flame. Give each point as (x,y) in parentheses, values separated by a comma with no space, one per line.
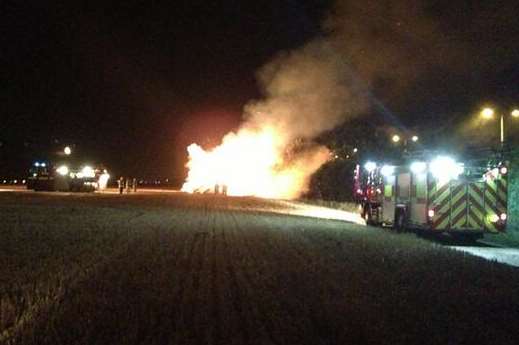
(253,162)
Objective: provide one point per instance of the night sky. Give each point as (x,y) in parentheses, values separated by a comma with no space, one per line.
(132,83)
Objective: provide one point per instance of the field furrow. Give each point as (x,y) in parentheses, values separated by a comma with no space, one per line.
(203,269)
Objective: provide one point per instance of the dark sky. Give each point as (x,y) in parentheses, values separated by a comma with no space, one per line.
(132,83)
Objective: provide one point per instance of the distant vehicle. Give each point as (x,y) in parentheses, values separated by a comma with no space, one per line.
(45,176)
(438,196)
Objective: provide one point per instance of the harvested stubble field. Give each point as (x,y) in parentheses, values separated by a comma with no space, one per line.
(199,269)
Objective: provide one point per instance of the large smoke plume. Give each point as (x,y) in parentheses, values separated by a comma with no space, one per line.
(307,91)
(377,46)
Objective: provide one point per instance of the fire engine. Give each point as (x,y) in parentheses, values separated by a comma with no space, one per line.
(44,176)
(435,196)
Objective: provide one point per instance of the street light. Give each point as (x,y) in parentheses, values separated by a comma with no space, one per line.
(67,150)
(488,113)
(411,140)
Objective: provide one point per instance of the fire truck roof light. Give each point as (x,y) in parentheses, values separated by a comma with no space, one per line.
(387,170)
(37,164)
(418,167)
(370,166)
(445,169)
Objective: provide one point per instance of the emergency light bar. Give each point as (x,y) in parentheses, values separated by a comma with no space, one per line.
(370,166)
(445,169)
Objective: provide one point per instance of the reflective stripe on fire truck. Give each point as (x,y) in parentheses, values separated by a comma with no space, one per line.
(464,205)
(476,205)
(459,205)
(439,202)
(495,201)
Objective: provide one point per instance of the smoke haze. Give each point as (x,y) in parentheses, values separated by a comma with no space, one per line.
(377,48)
(307,92)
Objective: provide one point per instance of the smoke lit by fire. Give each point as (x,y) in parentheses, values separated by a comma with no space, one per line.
(380,46)
(272,154)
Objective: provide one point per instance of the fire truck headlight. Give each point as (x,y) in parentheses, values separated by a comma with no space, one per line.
(494,218)
(418,167)
(502,216)
(62,170)
(387,170)
(370,166)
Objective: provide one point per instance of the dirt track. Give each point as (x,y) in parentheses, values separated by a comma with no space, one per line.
(177,269)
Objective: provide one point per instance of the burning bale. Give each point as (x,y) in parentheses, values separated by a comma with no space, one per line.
(252,163)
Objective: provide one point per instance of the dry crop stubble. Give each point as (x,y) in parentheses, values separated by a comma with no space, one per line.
(182,269)
(43,263)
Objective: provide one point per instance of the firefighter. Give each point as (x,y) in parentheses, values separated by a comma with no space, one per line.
(120,184)
(127,186)
(134,185)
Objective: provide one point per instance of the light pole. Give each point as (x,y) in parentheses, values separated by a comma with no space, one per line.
(488,113)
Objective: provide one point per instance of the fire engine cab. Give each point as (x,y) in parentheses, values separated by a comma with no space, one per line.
(438,196)
(45,176)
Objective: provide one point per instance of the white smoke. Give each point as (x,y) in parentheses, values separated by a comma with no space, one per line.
(307,91)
